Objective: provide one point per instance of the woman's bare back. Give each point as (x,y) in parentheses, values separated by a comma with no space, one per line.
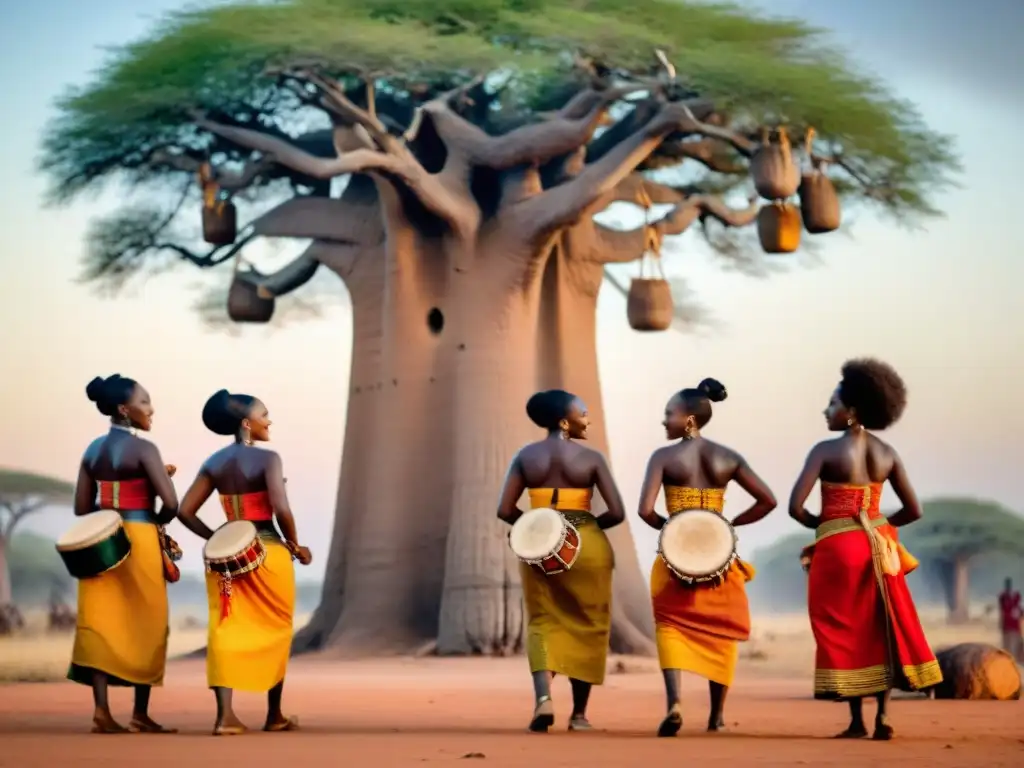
(559,464)
(856,459)
(698,464)
(238,469)
(117,456)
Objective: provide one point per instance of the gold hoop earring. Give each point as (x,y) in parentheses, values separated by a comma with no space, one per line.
(688,431)
(850,422)
(246,436)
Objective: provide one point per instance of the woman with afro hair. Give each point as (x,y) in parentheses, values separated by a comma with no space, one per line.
(868,635)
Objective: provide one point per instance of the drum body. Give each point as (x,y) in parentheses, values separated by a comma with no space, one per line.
(698,546)
(234,550)
(544,539)
(94,545)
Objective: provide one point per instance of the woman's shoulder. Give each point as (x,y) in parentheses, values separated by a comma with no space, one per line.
(267,455)
(721,450)
(878,443)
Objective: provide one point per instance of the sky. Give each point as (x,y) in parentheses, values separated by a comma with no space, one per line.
(942,305)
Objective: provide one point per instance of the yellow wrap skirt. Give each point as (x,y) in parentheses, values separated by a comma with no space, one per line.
(250,637)
(569,614)
(697,628)
(122,626)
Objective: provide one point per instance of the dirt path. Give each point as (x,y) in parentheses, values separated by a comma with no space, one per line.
(433,711)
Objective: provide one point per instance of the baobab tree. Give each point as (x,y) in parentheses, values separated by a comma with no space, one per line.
(478,140)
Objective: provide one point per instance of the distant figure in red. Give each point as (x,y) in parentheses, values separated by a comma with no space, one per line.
(1010,621)
(869,638)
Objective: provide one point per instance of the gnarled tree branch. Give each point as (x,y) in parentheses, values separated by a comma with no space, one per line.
(212,258)
(738,141)
(568,129)
(564,204)
(430,191)
(619,246)
(231,181)
(321,218)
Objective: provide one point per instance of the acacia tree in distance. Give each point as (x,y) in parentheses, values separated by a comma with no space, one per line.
(478,142)
(21,494)
(954,534)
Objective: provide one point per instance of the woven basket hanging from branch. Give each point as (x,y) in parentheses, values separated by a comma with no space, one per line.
(220,217)
(819,203)
(245,304)
(649,305)
(775,172)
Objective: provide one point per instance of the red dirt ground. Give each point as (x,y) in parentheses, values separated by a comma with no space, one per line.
(406,712)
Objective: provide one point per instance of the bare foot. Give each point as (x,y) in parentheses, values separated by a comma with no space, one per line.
(855,731)
(543,715)
(716,726)
(580,723)
(103,722)
(146,724)
(281,723)
(883,731)
(671,724)
(229,726)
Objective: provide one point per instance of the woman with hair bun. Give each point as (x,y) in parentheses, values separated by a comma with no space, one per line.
(868,635)
(697,628)
(121,631)
(569,614)
(249,646)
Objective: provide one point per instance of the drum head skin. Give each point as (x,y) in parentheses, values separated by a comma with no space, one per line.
(697,542)
(536,533)
(230,539)
(89,529)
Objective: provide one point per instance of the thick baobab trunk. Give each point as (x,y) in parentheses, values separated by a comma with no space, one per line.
(491,362)
(393,581)
(383,584)
(567,359)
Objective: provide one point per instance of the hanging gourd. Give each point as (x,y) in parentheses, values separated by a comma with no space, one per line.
(245,304)
(649,305)
(220,218)
(819,203)
(776,174)
(778,227)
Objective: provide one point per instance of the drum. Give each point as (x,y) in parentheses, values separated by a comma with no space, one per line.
(94,545)
(544,539)
(698,546)
(234,550)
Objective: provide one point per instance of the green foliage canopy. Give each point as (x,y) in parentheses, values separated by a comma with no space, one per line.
(760,71)
(16,485)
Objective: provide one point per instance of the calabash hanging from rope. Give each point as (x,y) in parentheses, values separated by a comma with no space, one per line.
(775,173)
(245,304)
(819,202)
(778,227)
